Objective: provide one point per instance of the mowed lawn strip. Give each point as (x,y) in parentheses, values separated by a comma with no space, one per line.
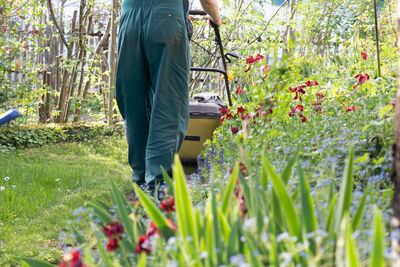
(45,186)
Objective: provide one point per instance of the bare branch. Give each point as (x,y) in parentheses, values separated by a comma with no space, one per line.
(53,17)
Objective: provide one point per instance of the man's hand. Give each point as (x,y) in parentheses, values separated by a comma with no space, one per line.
(218,23)
(211,8)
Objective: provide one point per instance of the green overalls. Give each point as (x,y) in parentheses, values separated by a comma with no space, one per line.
(152,84)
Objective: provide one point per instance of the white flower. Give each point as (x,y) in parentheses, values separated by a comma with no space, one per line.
(58,179)
(2,188)
(6,178)
(13,186)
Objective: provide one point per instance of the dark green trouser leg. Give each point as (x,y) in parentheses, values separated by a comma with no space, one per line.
(152,84)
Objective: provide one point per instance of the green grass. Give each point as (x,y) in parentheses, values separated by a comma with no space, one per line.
(46,185)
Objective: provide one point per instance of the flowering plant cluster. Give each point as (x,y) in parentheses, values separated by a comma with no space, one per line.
(144,243)
(251,60)
(114,232)
(299,91)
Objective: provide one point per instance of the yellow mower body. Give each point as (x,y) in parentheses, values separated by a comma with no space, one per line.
(205,117)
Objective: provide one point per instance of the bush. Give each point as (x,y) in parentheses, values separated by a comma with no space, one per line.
(27,136)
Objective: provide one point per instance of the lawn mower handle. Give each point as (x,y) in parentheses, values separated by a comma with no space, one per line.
(221,50)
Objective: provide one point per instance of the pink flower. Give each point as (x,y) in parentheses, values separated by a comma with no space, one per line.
(239,91)
(4,29)
(364,55)
(6,48)
(320,96)
(26,47)
(18,65)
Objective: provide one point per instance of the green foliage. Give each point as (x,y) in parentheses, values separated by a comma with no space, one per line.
(17,137)
(208,236)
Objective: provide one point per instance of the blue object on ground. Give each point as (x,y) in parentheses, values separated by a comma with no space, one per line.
(10,115)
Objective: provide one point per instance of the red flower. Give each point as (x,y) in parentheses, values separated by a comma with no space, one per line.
(234,129)
(143,245)
(4,29)
(113,230)
(245,117)
(112,245)
(239,91)
(316,103)
(240,110)
(229,116)
(311,83)
(320,96)
(18,65)
(352,108)
(252,60)
(34,31)
(6,48)
(242,201)
(364,55)
(362,78)
(299,109)
(72,260)
(171,224)
(303,118)
(168,205)
(224,110)
(153,230)
(299,91)
(243,208)
(266,70)
(26,47)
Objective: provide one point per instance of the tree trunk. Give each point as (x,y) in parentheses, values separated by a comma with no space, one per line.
(112,59)
(66,76)
(99,51)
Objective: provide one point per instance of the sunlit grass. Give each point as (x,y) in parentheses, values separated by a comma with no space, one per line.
(44,187)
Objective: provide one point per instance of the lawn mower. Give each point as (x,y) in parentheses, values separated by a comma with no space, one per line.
(205,115)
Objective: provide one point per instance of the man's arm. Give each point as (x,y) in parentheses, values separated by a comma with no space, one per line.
(211,8)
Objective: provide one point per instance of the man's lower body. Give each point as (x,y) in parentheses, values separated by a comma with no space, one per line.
(152,84)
